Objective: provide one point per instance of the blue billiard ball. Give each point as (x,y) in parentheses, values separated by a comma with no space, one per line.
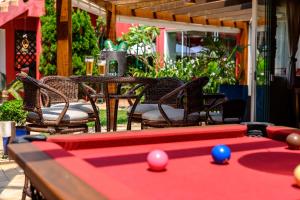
(221,153)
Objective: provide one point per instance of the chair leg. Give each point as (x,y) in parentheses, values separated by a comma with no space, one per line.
(97,125)
(86,129)
(25,189)
(143,125)
(129,124)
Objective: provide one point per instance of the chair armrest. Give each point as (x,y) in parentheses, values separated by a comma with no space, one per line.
(62,114)
(45,98)
(164,98)
(132,91)
(92,96)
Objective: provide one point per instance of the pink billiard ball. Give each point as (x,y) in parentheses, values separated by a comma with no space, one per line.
(157,160)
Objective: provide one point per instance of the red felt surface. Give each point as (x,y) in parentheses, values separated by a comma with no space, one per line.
(259,169)
(280,132)
(126,138)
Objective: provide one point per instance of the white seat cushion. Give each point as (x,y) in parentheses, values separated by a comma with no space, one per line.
(83,106)
(52,113)
(217,117)
(142,108)
(173,114)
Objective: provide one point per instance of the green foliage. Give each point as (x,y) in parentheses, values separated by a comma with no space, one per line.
(84,40)
(260,70)
(122,118)
(14,88)
(13,111)
(140,34)
(216,62)
(48,56)
(142,37)
(100,31)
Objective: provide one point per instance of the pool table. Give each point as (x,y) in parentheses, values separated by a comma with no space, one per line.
(113,165)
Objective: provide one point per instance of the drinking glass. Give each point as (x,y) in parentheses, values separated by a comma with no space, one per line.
(89,63)
(101,62)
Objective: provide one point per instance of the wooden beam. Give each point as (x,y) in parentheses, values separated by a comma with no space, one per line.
(146,13)
(100,3)
(208,5)
(111,23)
(221,10)
(147,4)
(229,14)
(126,2)
(165,16)
(170,5)
(64,37)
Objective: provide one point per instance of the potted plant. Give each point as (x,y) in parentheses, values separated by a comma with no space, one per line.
(13,118)
(13,111)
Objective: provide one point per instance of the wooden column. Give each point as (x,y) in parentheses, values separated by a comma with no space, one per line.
(112,88)
(111,19)
(244,54)
(64,37)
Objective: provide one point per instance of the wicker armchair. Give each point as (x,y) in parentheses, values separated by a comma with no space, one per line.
(230,112)
(189,115)
(71,90)
(152,95)
(52,120)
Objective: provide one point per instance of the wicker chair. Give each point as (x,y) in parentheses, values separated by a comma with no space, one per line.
(71,90)
(52,120)
(189,115)
(231,112)
(152,95)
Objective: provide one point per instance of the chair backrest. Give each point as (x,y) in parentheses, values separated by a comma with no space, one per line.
(163,86)
(193,95)
(63,84)
(234,108)
(32,91)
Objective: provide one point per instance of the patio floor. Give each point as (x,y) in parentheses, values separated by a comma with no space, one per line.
(12,177)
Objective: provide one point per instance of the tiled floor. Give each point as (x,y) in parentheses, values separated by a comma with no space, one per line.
(11,180)
(12,176)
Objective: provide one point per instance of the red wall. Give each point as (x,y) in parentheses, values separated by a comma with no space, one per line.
(30,24)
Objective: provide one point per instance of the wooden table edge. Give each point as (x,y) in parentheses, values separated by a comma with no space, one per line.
(49,177)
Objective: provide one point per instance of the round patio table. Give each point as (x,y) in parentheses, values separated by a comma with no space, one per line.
(112,93)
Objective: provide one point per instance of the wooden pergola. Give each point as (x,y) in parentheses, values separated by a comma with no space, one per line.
(218,13)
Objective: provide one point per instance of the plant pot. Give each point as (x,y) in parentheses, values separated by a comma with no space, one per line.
(21,131)
(7,129)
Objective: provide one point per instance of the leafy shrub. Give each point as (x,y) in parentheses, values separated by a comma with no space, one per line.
(13,111)
(216,62)
(84,40)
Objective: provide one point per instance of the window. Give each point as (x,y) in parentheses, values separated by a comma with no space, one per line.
(182,44)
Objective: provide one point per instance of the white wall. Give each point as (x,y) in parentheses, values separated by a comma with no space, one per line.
(2,51)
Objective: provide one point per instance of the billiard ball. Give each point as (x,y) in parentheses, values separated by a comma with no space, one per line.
(297,175)
(293,141)
(157,160)
(220,153)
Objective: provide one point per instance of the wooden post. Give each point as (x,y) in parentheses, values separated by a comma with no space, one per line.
(64,37)
(112,87)
(111,19)
(244,54)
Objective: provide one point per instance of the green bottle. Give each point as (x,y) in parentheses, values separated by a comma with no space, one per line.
(109,45)
(123,46)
